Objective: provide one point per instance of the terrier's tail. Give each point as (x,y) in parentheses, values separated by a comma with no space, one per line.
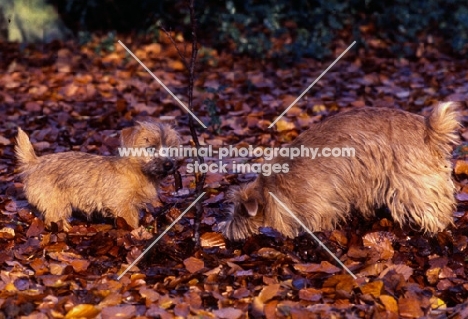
(24,149)
(442,125)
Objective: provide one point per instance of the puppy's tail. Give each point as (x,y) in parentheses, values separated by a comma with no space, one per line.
(442,125)
(24,149)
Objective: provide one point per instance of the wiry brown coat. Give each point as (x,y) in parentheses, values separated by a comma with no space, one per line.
(59,183)
(401,161)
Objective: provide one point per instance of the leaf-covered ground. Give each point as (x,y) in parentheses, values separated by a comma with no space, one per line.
(68,97)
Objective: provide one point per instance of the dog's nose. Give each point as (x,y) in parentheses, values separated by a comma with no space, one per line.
(168,165)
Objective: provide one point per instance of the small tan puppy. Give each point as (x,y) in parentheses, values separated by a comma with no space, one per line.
(401,161)
(117,186)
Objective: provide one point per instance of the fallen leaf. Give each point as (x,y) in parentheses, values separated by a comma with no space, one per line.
(228,313)
(374,288)
(193,264)
(461,167)
(7,233)
(310,294)
(389,302)
(409,308)
(37,227)
(82,311)
(380,242)
(269,292)
(212,239)
(283,125)
(4,140)
(119,311)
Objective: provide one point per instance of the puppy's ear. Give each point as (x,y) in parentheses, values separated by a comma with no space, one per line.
(127,136)
(251,207)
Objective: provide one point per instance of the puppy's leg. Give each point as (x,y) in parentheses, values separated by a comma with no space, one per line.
(128,212)
(57,214)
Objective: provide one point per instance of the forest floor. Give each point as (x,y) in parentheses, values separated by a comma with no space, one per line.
(70,97)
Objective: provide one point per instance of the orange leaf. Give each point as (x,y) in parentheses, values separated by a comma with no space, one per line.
(269,292)
(83,311)
(194,264)
(389,302)
(373,288)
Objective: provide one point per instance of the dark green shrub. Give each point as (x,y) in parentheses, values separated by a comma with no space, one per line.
(286,29)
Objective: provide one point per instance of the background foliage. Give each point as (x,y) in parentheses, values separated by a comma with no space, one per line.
(286,28)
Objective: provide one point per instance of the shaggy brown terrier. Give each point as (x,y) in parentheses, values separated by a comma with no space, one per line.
(114,185)
(401,161)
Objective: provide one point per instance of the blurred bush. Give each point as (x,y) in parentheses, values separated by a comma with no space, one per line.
(289,29)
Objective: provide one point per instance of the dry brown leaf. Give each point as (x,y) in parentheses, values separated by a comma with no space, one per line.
(36,228)
(112,299)
(269,253)
(389,302)
(401,269)
(437,303)
(39,265)
(57,268)
(153,48)
(150,295)
(432,275)
(339,237)
(269,309)
(212,239)
(283,125)
(310,294)
(258,307)
(10,206)
(141,233)
(358,252)
(7,233)
(340,282)
(120,311)
(176,65)
(307,268)
(193,264)
(373,270)
(113,57)
(54,281)
(328,268)
(155,311)
(4,141)
(240,293)
(461,167)
(182,310)
(319,108)
(212,178)
(82,311)
(269,292)
(228,313)
(447,272)
(409,308)
(374,288)
(380,242)
(76,261)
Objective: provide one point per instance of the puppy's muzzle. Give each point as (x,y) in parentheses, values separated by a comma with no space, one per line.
(169,166)
(161,167)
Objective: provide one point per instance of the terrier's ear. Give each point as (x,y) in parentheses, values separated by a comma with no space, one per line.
(251,206)
(127,136)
